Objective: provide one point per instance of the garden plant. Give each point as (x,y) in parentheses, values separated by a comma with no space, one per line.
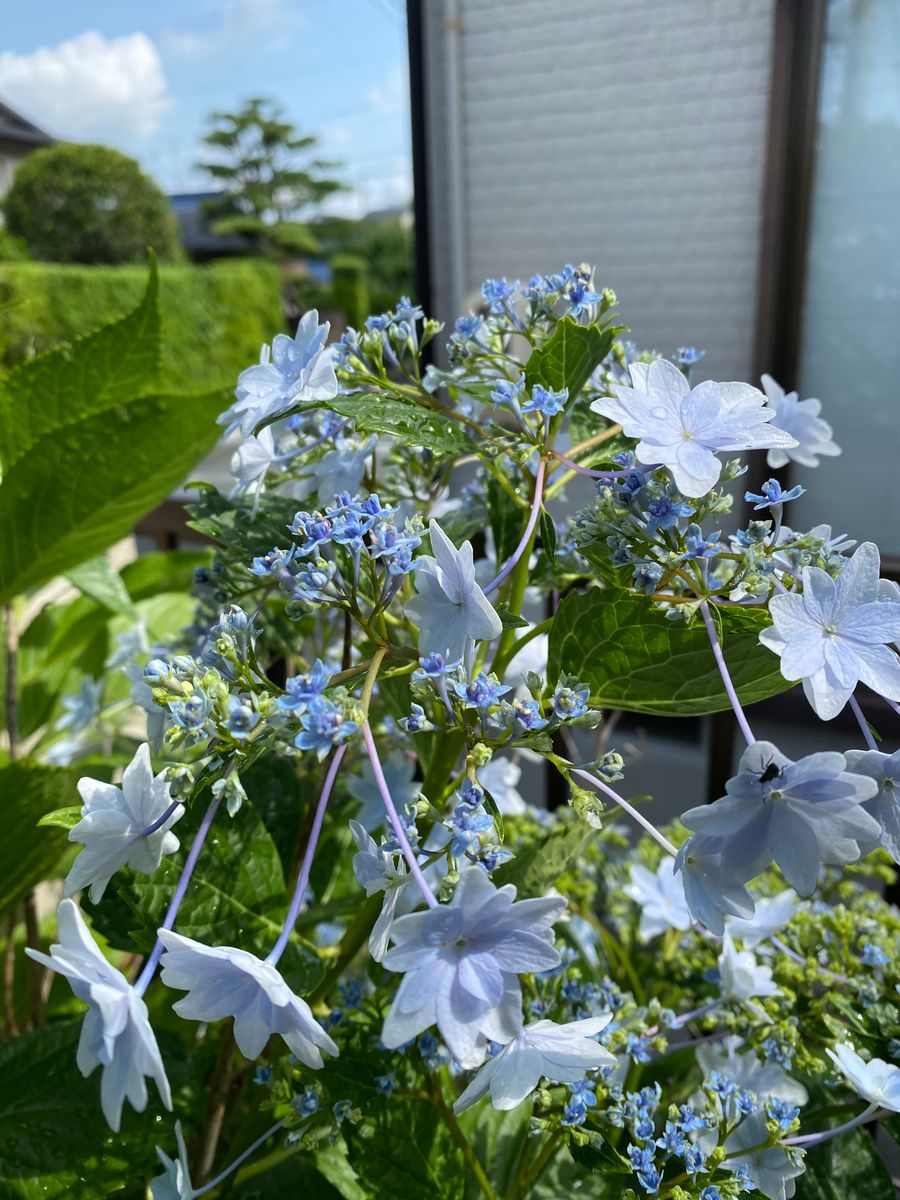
(330,937)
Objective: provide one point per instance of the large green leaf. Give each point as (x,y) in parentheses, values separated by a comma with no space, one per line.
(507,519)
(86,487)
(28,854)
(401,1156)
(97,579)
(163,571)
(44,398)
(237,896)
(568,356)
(633,658)
(402,419)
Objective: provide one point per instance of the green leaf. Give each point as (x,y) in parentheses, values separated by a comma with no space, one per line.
(62,818)
(108,472)
(845,1168)
(28,854)
(237,896)
(541,863)
(44,398)
(633,658)
(163,571)
(97,579)
(509,619)
(568,356)
(402,419)
(406,1154)
(507,520)
(548,534)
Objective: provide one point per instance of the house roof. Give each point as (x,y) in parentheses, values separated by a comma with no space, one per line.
(16,128)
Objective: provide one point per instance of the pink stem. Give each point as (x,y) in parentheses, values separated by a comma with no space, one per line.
(723,671)
(308,855)
(526,536)
(863,723)
(630,809)
(394,818)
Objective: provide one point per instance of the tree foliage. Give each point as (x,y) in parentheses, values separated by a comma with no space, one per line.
(89,204)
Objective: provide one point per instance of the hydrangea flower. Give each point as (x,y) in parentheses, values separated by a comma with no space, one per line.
(340,470)
(222,981)
(461,962)
(771,1169)
(771,916)
(885,805)
(744,1069)
(376,871)
(295,370)
(741,976)
(122,826)
(116,1034)
(661,897)
(800,814)
(451,610)
(876,1080)
(836,633)
(81,707)
(175,1184)
(709,888)
(684,428)
(561,1053)
(800,419)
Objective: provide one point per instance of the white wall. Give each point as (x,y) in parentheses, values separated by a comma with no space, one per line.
(627,134)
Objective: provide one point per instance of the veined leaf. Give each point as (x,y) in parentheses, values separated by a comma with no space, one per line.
(633,658)
(97,579)
(568,356)
(405,421)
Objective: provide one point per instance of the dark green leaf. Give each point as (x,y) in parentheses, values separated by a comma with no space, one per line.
(438,755)
(399,1159)
(402,419)
(633,658)
(28,854)
(97,579)
(510,620)
(507,520)
(845,1168)
(568,356)
(548,534)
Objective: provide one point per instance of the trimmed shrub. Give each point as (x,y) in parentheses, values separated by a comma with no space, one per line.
(215,318)
(89,204)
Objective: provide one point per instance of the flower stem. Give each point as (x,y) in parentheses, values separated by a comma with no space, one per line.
(525,540)
(309,854)
(872,1113)
(143,980)
(798,958)
(574,466)
(863,723)
(242,1157)
(630,809)
(394,818)
(462,1141)
(723,671)
(161,820)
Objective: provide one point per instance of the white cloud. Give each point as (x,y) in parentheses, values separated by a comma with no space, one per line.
(392,96)
(239,21)
(90,87)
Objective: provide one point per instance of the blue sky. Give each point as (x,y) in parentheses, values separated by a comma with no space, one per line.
(144,77)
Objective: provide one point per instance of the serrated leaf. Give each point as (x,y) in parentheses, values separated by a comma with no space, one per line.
(108,471)
(538,865)
(633,658)
(45,397)
(569,355)
(97,579)
(28,854)
(402,419)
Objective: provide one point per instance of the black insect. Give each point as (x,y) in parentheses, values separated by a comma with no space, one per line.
(770,772)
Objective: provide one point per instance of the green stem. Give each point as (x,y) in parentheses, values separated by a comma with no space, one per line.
(462,1141)
(538,1167)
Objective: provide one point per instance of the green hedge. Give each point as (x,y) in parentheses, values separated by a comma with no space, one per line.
(215,318)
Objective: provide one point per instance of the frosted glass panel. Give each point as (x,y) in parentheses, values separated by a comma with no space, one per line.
(850,350)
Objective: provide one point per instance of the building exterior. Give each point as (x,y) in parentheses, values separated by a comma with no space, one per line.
(732,167)
(18,137)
